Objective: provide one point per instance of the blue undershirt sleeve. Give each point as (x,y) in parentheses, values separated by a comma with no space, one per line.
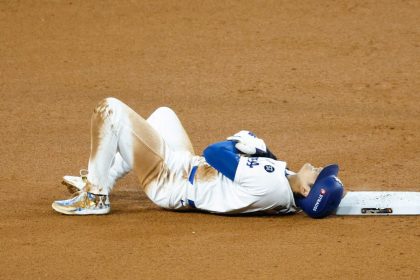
(224,157)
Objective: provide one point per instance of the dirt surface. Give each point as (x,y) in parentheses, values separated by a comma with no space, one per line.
(321,81)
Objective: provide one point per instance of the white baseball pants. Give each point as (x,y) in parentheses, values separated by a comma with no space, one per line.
(158,150)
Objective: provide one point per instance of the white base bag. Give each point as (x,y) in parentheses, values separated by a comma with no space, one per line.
(380,203)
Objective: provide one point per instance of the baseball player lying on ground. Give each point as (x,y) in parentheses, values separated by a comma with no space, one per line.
(239,175)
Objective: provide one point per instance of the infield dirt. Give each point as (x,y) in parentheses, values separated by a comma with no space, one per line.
(321,81)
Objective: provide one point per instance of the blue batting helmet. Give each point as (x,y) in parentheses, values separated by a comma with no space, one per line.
(325,194)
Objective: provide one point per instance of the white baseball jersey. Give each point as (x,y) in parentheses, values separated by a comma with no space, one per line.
(260,184)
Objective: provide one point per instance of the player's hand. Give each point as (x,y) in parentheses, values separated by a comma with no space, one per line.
(248,143)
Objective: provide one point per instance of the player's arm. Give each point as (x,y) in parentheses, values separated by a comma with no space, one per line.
(224,157)
(249,144)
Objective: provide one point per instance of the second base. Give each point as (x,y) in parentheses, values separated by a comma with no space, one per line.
(380,203)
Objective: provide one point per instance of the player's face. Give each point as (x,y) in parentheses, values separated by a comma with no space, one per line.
(309,173)
(306,177)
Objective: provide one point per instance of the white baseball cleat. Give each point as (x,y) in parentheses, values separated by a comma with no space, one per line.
(76,183)
(83,203)
(73,183)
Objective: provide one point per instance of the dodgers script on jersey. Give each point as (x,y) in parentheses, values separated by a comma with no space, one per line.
(260,184)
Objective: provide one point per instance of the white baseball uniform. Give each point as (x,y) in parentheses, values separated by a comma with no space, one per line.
(160,153)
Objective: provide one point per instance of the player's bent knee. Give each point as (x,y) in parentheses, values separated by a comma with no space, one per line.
(163,111)
(107,106)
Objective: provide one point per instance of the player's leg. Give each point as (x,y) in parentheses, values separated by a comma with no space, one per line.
(116,128)
(165,121)
(76,183)
(167,124)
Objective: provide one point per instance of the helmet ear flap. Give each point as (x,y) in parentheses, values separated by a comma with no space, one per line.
(325,195)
